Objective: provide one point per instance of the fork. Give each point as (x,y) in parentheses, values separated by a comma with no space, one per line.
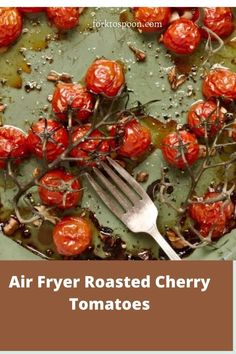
(124,196)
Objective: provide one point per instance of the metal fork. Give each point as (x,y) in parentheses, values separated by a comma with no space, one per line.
(123,195)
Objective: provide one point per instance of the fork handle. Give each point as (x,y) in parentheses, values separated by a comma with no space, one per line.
(173,256)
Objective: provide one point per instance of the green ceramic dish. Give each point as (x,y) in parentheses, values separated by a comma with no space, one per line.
(148,81)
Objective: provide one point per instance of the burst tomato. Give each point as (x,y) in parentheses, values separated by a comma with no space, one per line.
(205,115)
(219,20)
(182,36)
(74,97)
(105,77)
(152,19)
(49,133)
(91,151)
(136,139)
(180,148)
(64,18)
(59,188)
(211,216)
(13,145)
(10,25)
(72,235)
(220,83)
(31,9)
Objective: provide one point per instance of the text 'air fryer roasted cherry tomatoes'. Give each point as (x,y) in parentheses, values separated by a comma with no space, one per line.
(180,148)
(60,188)
(211,217)
(220,83)
(72,235)
(152,19)
(13,145)
(136,139)
(105,77)
(182,36)
(91,151)
(64,18)
(10,25)
(74,97)
(50,134)
(206,117)
(219,20)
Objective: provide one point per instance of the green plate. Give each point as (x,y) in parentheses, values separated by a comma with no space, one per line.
(45,50)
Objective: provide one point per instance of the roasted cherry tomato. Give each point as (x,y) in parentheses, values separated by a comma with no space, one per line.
(49,133)
(211,216)
(180,148)
(220,83)
(151,19)
(64,18)
(10,25)
(59,188)
(206,116)
(72,235)
(90,151)
(182,36)
(136,139)
(31,9)
(105,77)
(219,20)
(13,145)
(74,97)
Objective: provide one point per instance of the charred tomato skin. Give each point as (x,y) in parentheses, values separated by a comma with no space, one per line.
(72,235)
(209,215)
(66,189)
(64,18)
(136,140)
(182,36)
(220,83)
(95,146)
(146,16)
(57,139)
(75,97)
(10,25)
(205,112)
(13,145)
(171,149)
(219,20)
(105,77)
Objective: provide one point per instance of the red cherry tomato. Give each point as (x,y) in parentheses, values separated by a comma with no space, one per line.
(105,77)
(72,235)
(51,132)
(59,188)
(13,145)
(64,18)
(206,116)
(90,151)
(182,36)
(152,19)
(10,25)
(31,9)
(180,146)
(211,216)
(72,96)
(220,83)
(136,140)
(219,20)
